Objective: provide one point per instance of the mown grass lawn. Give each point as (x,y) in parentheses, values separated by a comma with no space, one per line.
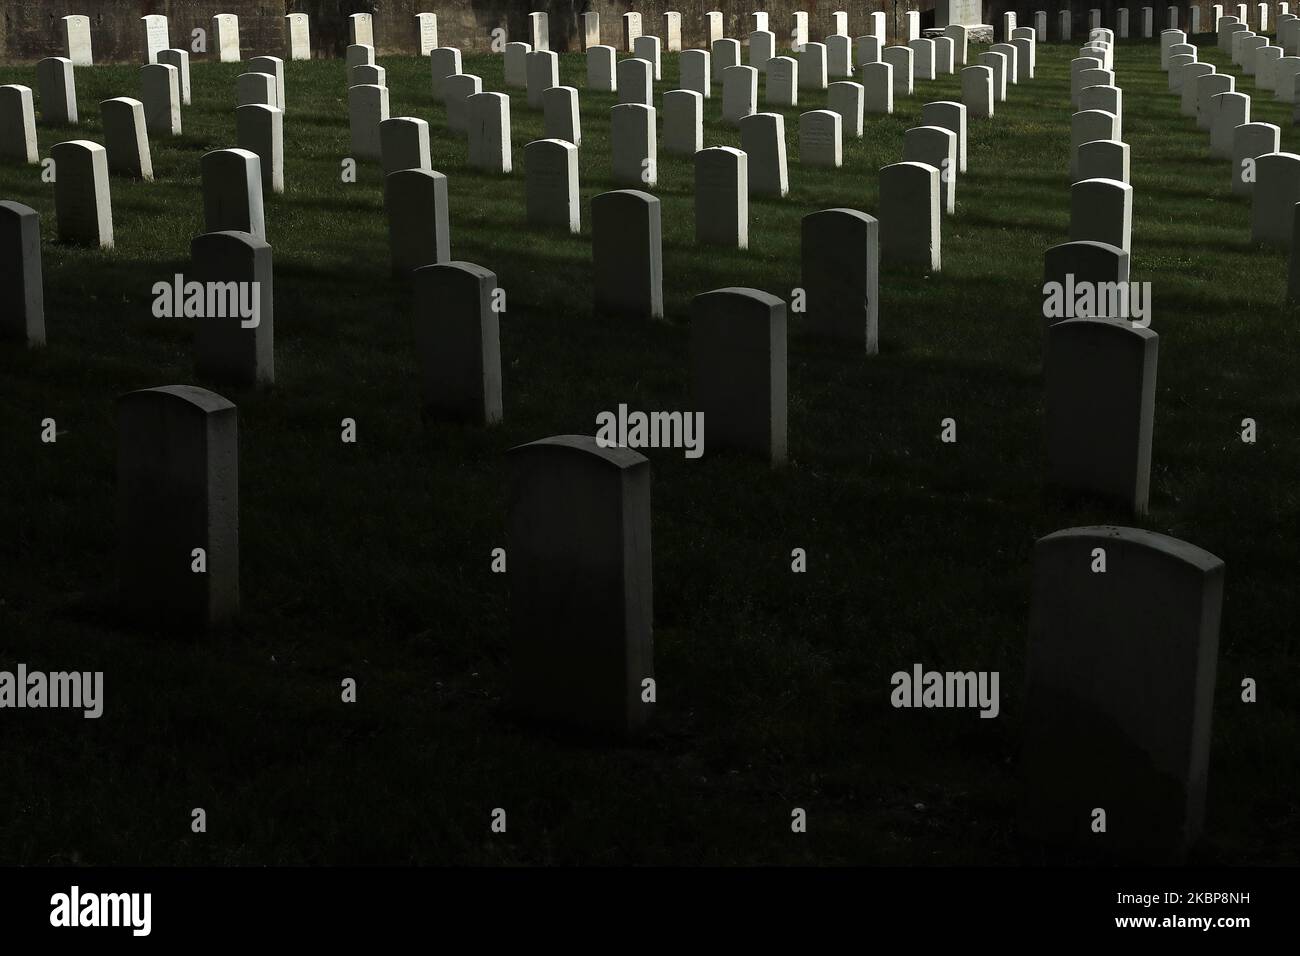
(372,560)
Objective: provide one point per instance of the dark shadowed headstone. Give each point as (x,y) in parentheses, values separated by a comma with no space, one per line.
(232,192)
(178,490)
(457,338)
(1120,689)
(22,292)
(841,276)
(581,594)
(83,205)
(416,203)
(738,370)
(1086,261)
(627,253)
(1101,390)
(126,139)
(228,347)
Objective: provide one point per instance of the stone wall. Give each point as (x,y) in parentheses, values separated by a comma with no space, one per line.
(31,29)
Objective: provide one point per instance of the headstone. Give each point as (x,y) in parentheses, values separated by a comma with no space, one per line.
(739,93)
(404,144)
(155,36)
(840,19)
(900,60)
(1075,263)
(358,54)
(487,117)
(631,30)
(935,146)
(458,341)
(178,490)
(1099,440)
(762,47)
(456,92)
(426,32)
(693,67)
(367,108)
(361,29)
(368,74)
(551,183)
(713,27)
(58,91)
(225,37)
(950,116)
(581,634)
(762,137)
(1266,67)
(1108,98)
(561,115)
(758,20)
(1250,141)
(839,58)
(782,81)
(273,66)
(997,62)
(672,31)
(601,77)
(877,87)
(683,122)
(627,254)
(846,98)
(181,60)
(250,88)
(82,204)
(1148,23)
(648,49)
(76,40)
(922,58)
(866,49)
(543,73)
(1086,126)
(260,130)
(1208,87)
(635,81)
(944,64)
(812,67)
(22,294)
(909,215)
(721,202)
(18,124)
(912,28)
(1227,112)
(1119,691)
(1063,26)
(1102,159)
(738,369)
(725,54)
(877,30)
(229,348)
(232,192)
(443,62)
(126,138)
(977,91)
(1190,73)
(415,201)
(821,139)
(1176,64)
(633,149)
(1101,210)
(1122,14)
(960,39)
(591,30)
(799,35)
(516,64)
(297,36)
(840,257)
(539,30)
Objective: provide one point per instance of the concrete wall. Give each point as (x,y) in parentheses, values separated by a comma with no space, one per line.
(31,29)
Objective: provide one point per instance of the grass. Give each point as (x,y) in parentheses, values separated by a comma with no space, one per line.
(372,560)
